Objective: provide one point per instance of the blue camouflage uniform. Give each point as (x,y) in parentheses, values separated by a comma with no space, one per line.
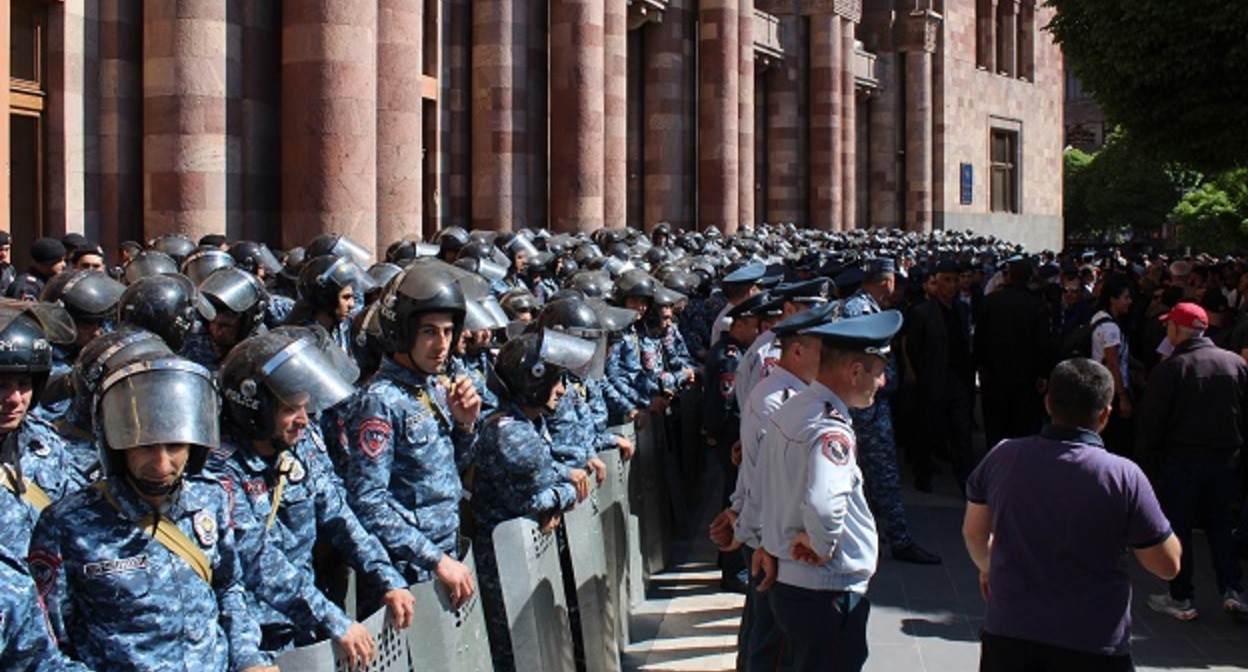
(45,462)
(621,387)
(575,427)
(198,349)
(312,501)
(26,643)
(877,446)
(475,368)
(62,365)
(80,444)
(277,310)
(676,353)
(516,476)
(404,459)
(544,288)
(118,599)
(695,323)
(655,377)
(27,287)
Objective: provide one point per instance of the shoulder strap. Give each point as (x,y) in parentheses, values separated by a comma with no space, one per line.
(170,536)
(276,502)
(30,492)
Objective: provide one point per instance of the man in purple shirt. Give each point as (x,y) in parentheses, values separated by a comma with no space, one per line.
(1049,519)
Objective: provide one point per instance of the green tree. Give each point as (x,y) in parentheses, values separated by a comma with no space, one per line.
(1172,73)
(1075,193)
(1214,217)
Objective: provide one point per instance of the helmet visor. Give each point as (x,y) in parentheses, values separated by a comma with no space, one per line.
(484,313)
(301,374)
(187,411)
(233,288)
(572,353)
(267,260)
(345,247)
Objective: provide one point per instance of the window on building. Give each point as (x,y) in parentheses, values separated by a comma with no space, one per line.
(1005,186)
(1027,41)
(27,94)
(985,31)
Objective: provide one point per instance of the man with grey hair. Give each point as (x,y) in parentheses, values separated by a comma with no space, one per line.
(1192,423)
(1048,521)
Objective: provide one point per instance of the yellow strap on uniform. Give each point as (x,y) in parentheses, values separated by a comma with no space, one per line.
(170,536)
(276,502)
(31,493)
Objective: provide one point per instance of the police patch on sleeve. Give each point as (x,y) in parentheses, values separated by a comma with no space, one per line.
(43,569)
(205,527)
(727,384)
(375,437)
(837,445)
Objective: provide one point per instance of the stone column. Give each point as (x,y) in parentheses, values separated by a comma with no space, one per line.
(577,94)
(719,91)
(849,128)
(121,122)
(987,29)
(400,125)
(885,119)
(667,165)
(71,147)
(329,120)
(919,45)
(455,104)
(185,47)
(615,178)
(827,74)
(535,117)
(1009,38)
(5,149)
(499,63)
(745,134)
(787,131)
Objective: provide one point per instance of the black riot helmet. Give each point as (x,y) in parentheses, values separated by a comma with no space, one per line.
(449,241)
(286,366)
(338,245)
(236,291)
(426,286)
(166,305)
(27,332)
(634,283)
(518,301)
(147,263)
(106,354)
(255,258)
(128,415)
(575,317)
(201,263)
(592,283)
(323,278)
(381,274)
(87,295)
(530,365)
(176,245)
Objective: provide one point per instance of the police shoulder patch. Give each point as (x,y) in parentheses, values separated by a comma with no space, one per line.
(44,566)
(205,527)
(375,437)
(727,384)
(837,445)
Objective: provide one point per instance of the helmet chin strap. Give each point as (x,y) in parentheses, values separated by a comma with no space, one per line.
(153,488)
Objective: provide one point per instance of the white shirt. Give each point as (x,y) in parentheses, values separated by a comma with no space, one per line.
(1109,335)
(768,396)
(756,363)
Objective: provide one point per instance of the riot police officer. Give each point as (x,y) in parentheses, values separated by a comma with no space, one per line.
(516,474)
(411,431)
(327,296)
(141,572)
(35,467)
(287,493)
(167,305)
(240,304)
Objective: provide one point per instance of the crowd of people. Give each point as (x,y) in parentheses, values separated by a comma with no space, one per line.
(201,438)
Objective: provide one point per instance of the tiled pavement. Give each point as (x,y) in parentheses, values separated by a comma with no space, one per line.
(922,618)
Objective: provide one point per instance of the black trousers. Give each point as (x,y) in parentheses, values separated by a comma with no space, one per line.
(1009,654)
(947,428)
(1011,411)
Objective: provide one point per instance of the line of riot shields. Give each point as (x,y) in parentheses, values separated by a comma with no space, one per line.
(570,616)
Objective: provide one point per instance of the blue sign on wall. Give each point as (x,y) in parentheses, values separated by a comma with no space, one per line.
(967,172)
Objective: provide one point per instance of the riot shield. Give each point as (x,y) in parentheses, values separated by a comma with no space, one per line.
(533,596)
(393,654)
(612,501)
(444,639)
(648,495)
(586,544)
(690,451)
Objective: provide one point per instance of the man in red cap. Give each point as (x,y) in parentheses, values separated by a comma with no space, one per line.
(1192,423)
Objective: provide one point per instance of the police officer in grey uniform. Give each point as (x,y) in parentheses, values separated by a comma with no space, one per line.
(877,447)
(819,537)
(764,354)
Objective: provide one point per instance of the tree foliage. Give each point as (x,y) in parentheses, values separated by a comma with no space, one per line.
(1214,217)
(1172,73)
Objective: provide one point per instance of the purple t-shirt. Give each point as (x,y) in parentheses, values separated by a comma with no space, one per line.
(1064,512)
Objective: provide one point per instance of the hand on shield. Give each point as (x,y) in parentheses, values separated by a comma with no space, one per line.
(358,646)
(400,603)
(600,469)
(580,480)
(549,521)
(626,448)
(457,578)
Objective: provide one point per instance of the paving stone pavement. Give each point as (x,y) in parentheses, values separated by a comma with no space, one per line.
(922,618)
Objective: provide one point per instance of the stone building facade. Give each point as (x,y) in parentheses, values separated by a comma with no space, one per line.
(279,119)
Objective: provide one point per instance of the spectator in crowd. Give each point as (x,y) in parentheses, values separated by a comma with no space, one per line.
(1192,425)
(1052,566)
(1109,347)
(1012,351)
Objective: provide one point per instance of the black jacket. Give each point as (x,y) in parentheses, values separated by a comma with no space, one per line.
(1195,402)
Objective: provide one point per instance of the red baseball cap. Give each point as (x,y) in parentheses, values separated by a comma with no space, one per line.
(1187,314)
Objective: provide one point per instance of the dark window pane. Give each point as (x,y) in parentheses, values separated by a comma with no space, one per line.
(24,36)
